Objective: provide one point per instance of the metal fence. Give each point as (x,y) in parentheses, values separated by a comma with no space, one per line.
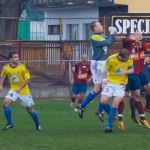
(49,62)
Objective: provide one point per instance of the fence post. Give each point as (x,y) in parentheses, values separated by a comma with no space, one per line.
(61,30)
(69,70)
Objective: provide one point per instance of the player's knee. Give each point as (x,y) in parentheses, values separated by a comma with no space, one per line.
(29,110)
(6,103)
(137,97)
(103,101)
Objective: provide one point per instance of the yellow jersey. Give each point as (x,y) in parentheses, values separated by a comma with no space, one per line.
(16,75)
(115,67)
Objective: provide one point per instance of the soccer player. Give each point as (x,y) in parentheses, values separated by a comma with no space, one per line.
(99,45)
(117,67)
(135,81)
(81,76)
(19,79)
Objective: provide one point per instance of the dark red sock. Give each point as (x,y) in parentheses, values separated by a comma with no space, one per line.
(140,109)
(120,110)
(132,107)
(147,97)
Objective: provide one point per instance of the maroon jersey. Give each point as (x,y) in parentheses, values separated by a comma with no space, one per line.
(137,54)
(82,72)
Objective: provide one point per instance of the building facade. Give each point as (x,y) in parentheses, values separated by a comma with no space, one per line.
(70,19)
(136,6)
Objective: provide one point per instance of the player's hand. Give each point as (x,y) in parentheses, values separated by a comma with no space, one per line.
(71,81)
(112,30)
(104,82)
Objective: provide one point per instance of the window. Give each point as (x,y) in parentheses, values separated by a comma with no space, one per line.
(87,31)
(53,29)
(110,0)
(72,32)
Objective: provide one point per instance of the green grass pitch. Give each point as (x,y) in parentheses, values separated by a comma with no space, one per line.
(63,130)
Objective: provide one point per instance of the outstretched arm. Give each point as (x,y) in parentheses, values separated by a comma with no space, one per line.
(100,41)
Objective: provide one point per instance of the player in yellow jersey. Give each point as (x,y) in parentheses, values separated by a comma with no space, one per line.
(117,67)
(19,78)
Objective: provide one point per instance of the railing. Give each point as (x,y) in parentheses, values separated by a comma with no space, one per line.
(49,62)
(55,72)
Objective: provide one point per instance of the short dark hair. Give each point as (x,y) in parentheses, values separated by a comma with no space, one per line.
(93,25)
(11,53)
(124,53)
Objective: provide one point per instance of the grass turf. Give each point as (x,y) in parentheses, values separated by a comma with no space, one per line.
(63,129)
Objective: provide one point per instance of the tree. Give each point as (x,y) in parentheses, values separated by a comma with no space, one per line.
(10,11)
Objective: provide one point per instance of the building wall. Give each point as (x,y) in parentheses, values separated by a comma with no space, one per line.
(71,16)
(136,6)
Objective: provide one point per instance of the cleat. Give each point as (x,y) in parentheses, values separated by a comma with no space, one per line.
(136,120)
(145,123)
(80,112)
(39,128)
(147,110)
(121,126)
(8,126)
(108,130)
(100,115)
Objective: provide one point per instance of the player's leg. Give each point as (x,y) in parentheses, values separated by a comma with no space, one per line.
(146,84)
(34,116)
(104,100)
(133,85)
(102,107)
(28,102)
(107,93)
(100,111)
(10,97)
(74,92)
(96,75)
(138,103)
(83,89)
(118,93)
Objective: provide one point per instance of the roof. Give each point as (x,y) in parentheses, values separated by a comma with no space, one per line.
(71,3)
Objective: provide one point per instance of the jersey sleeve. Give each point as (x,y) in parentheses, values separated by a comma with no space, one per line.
(130,64)
(98,40)
(3,73)
(26,73)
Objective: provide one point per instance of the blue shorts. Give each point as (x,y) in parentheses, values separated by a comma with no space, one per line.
(135,81)
(78,88)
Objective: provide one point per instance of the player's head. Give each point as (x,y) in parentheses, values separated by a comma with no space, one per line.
(138,36)
(131,36)
(123,55)
(13,57)
(97,27)
(84,58)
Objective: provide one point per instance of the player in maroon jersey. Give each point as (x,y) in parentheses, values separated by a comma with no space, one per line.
(81,76)
(134,44)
